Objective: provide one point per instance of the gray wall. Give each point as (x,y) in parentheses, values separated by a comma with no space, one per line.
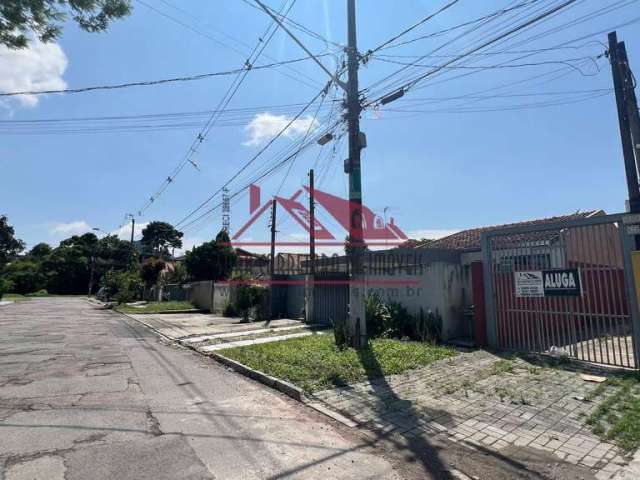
(440,286)
(201,294)
(221,294)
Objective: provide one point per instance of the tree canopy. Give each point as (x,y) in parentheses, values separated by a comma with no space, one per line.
(10,246)
(66,268)
(43,18)
(212,260)
(158,237)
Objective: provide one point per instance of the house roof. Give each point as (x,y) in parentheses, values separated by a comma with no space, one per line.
(469,240)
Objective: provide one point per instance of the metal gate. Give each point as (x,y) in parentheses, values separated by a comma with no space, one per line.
(564,288)
(331,298)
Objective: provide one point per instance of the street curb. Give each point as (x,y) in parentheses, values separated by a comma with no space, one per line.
(154,330)
(272,382)
(167,312)
(285,387)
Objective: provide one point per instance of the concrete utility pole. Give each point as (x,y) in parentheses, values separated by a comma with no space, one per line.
(312,250)
(133,226)
(357,330)
(628,81)
(272,264)
(357,321)
(625,129)
(312,224)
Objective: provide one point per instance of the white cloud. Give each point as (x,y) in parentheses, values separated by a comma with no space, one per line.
(124,232)
(38,67)
(431,234)
(71,228)
(265,126)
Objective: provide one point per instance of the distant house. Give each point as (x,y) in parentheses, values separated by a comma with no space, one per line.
(469,240)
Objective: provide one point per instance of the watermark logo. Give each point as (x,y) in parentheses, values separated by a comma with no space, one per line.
(376,231)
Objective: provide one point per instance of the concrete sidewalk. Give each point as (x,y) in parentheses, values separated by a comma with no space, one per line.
(178,326)
(478,400)
(208,333)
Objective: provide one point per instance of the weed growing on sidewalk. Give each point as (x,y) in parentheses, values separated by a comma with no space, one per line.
(617,416)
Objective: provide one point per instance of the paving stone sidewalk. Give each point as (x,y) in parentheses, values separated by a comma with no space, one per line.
(485,402)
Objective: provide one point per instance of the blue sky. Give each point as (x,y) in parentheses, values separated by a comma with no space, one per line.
(437,163)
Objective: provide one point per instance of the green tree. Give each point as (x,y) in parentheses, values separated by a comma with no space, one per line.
(178,274)
(68,268)
(212,260)
(26,276)
(158,237)
(43,18)
(10,246)
(40,251)
(151,270)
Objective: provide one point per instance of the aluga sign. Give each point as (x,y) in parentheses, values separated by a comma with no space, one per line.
(562,282)
(548,283)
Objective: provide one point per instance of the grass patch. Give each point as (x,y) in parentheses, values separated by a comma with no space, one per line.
(314,363)
(13,297)
(156,307)
(502,366)
(617,416)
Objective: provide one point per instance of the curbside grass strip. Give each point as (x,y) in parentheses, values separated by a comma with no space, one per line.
(284,387)
(281,385)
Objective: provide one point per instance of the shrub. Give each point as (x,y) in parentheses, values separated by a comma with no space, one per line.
(229,310)
(123,287)
(40,293)
(259,296)
(428,327)
(379,320)
(243,300)
(393,320)
(251,299)
(5,286)
(26,276)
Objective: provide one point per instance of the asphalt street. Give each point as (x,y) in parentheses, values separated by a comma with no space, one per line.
(87,393)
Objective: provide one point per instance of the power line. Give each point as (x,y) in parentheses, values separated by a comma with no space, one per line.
(222,105)
(252,159)
(263,175)
(296,25)
(412,27)
(456,27)
(146,83)
(217,41)
(511,31)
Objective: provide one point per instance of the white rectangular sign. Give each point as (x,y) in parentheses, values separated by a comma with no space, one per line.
(529,284)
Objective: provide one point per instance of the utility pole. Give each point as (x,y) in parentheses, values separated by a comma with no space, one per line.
(312,250)
(226,210)
(628,81)
(133,226)
(628,119)
(625,129)
(312,223)
(357,321)
(356,332)
(272,265)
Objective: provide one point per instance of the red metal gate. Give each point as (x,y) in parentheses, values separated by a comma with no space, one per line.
(594,325)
